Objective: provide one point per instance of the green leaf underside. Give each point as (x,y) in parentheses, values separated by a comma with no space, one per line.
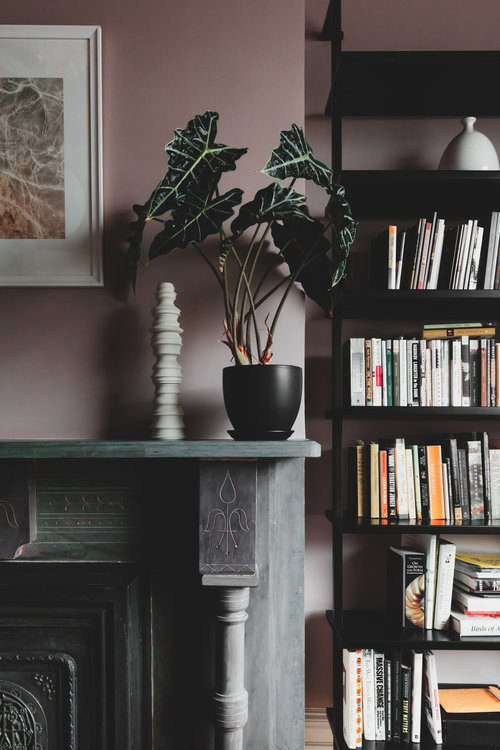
(294,158)
(298,241)
(271,203)
(339,210)
(195,219)
(194,161)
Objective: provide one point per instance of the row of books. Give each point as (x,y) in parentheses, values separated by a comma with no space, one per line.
(387,695)
(462,370)
(430,256)
(452,479)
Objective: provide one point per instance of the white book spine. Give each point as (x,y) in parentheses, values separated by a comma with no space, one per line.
(436,371)
(428,375)
(432,707)
(446,497)
(422,347)
(401,485)
(476,259)
(416,696)
(416,476)
(384,373)
(377,371)
(469,261)
(357,365)
(391,260)
(436,265)
(491,256)
(456,373)
(349,697)
(494,456)
(368,674)
(403,371)
(444,584)
(465,625)
(465,255)
(409,372)
(410,484)
(445,372)
(379,661)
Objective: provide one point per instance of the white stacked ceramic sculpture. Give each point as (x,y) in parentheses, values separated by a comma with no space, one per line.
(166,341)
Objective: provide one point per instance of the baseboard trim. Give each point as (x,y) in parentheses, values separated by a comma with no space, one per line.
(318,732)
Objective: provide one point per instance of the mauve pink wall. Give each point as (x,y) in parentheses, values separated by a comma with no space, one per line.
(372,144)
(77,362)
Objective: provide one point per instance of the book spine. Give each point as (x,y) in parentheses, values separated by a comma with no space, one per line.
(497,374)
(379,696)
(454,477)
(368,373)
(401,488)
(463,484)
(491,254)
(384,500)
(465,371)
(485,464)
(391,259)
(432,708)
(388,352)
(422,396)
(484,372)
(368,694)
(405,702)
(445,373)
(384,373)
(424,483)
(494,460)
(400,259)
(436,372)
(475,626)
(396,697)
(493,373)
(456,373)
(377,371)
(357,363)
(415,373)
(476,489)
(388,700)
(352,697)
(374,481)
(436,496)
(475,372)
(391,483)
(403,373)
(396,388)
(452,333)
(416,476)
(410,485)
(430,582)
(444,584)
(446,499)
(416,701)
(428,375)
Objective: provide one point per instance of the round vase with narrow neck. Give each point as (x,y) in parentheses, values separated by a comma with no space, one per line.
(262,401)
(469,150)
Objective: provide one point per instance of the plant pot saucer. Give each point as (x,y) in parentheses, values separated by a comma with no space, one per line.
(269,435)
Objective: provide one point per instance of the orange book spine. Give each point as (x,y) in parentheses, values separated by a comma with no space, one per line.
(384,501)
(447,333)
(435,479)
(359,700)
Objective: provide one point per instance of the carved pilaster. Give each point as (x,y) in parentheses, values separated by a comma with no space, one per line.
(230,699)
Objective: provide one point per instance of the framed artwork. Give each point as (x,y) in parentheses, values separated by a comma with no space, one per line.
(50,156)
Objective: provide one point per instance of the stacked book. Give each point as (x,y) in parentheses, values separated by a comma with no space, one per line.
(457,365)
(451,480)
(476,594)
(385,696)
(430,256)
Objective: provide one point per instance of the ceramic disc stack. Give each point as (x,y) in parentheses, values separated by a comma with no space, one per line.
(166,341)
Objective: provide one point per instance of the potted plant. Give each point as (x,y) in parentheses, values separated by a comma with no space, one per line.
(262,399)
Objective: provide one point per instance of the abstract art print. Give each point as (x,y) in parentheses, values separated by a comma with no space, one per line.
(51,208)
(32,158)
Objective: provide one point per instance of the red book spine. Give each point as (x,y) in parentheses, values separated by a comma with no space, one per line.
(384,500)
(484,372)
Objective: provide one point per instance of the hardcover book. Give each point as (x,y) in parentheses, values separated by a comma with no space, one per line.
(470,715)
(406,584)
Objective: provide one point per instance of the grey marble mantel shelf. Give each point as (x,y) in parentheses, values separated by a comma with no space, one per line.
(230,449)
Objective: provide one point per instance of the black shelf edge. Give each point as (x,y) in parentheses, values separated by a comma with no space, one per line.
(349,525)
(418,304)
(416,412)
(367,629)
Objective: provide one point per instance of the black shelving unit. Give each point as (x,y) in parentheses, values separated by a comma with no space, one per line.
(386,84)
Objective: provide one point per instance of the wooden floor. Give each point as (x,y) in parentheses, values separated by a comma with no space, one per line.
(318,732)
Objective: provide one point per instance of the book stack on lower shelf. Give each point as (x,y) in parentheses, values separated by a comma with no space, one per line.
(446,366)
(396,697)
(452,479)
(476,594)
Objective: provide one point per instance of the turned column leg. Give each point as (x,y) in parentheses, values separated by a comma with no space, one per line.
(230,698)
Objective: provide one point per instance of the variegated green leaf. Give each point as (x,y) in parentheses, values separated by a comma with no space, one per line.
(344,227)
(270,203)
(194,160)
(195,219)
(294,158)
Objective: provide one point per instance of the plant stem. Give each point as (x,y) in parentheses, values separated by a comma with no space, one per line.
(252,306)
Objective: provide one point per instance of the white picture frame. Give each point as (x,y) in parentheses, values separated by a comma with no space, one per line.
(61,246)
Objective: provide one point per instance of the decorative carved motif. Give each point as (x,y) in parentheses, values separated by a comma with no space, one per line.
(8,514)
(23,724)
(228,528)
(227,518)
(17,509)
(46,684)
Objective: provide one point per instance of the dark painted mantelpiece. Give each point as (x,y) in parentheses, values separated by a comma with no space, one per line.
(171,551)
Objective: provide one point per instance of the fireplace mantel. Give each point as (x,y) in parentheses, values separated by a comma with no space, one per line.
(181,566)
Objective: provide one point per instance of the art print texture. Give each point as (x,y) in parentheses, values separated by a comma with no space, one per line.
(32,158)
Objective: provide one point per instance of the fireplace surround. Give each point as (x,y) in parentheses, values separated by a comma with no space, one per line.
(129,575)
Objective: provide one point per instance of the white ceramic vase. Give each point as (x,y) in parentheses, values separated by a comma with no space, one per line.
(166,341)
(469,150)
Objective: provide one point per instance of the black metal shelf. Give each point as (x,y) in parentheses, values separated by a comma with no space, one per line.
(367,629)
(419,304)
(414,193)
(349,525)
(415,412)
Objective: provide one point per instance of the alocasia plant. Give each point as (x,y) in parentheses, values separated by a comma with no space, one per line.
(192,208)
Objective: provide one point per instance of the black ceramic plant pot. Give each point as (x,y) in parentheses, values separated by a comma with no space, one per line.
(262,401)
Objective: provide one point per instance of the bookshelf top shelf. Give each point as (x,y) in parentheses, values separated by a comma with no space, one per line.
(415,412)
(350,525)
(367,629)
(420,304)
